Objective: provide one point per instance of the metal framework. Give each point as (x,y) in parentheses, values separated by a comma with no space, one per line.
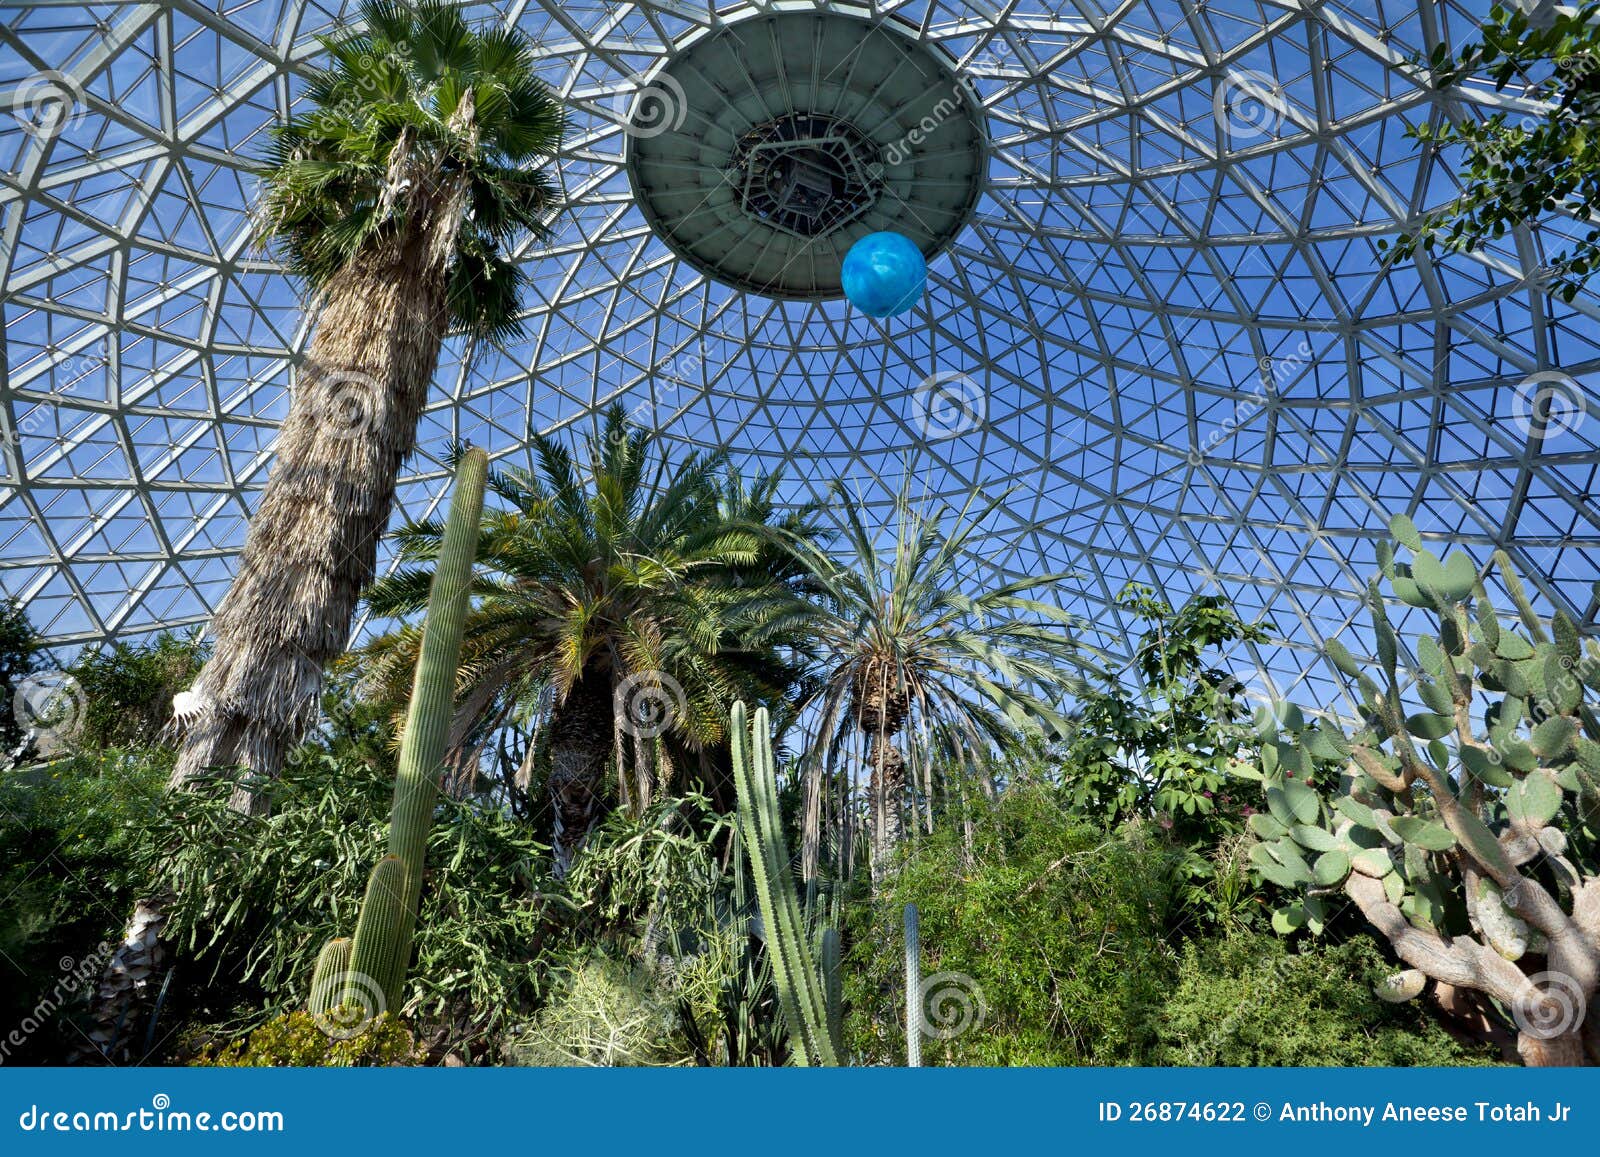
(1166,333)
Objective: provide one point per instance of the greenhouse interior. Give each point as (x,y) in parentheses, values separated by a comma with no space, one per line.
(647,533)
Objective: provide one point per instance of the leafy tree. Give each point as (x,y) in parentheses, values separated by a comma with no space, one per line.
(1520,166)
(396,197)
(631,605)
(19,650)
(913,639)
(1162,749)
(128,689)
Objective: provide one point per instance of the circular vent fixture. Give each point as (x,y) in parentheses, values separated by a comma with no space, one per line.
(760,151)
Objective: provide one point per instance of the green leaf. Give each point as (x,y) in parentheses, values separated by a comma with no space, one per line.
(1405,532)
(1331,868)
(1427,834)
(1562,685)
(1460,576)
(1534,799)
(1372,862)
(1553,738)
(1303,802)
(1287,920)
(1513,646)
(1411,593)
(1342,658)
(1424,725)
(1266,827)
(1566,637)
(1394,887)
(1485,765)
(1313,838)
(1356,812)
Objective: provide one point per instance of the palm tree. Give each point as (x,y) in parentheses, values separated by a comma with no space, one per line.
(628,607)
(395,198)
(908,644)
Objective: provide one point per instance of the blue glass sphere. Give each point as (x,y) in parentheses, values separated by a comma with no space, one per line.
(884,274)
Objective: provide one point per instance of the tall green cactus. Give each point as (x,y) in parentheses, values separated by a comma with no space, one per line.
(1475,855)
(808,991)
(913,989)
(381,951)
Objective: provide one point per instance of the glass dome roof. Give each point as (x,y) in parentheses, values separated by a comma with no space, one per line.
(1166,334)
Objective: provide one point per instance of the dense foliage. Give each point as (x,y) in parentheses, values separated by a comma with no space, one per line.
(1543,157)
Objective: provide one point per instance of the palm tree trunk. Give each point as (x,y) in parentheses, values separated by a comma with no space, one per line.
(311,547)
(580,744)
(888,800)
(313,542)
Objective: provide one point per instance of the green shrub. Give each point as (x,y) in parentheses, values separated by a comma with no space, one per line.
(604,1013)
(1246,999)
(1052,925)
(295,1039)
(70,830)
(254,898)
(128,689)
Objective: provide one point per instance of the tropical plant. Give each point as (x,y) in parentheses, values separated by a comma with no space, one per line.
(374,962)
(1541,158)
(1162,749)
(907,645)
(128,688)
(808,981)
(19,650)
(1471,848)
(395,197)
(1044,942)
(626,609)
(1250,998)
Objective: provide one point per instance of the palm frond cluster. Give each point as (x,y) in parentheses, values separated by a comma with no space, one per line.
(421,130)
(622,605)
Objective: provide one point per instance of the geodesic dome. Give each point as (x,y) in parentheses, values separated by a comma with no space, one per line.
(1158,322)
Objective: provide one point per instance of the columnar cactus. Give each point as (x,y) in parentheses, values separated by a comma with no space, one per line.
(381,950)
(809,990)
(1472,850)
(913,989)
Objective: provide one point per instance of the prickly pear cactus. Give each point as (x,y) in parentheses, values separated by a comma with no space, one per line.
(1462,818)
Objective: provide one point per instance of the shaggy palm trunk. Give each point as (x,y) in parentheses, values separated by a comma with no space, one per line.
(888,790)
(580,746)
(313,543)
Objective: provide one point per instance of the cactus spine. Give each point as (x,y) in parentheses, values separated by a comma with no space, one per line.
(327,978)
(808,992)
(382,946)
(913,989)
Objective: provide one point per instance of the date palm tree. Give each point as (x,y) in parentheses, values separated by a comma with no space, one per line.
(395,197)
(912,642)
(628,606)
